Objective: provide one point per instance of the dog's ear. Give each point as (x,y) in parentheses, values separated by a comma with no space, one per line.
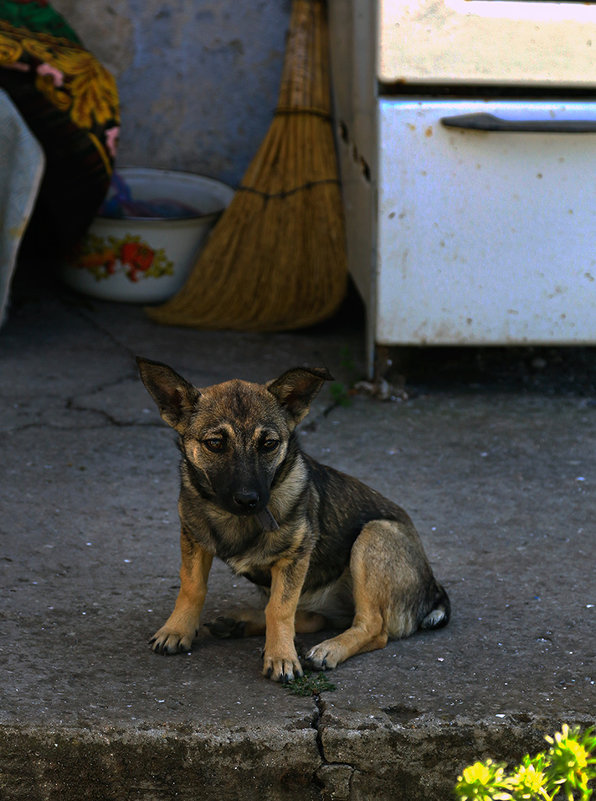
(174,396)
(296,389)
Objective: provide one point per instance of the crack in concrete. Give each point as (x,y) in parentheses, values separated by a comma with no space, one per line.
(103,330)
(326,777)
(99,427)
(73,406)
(316,720)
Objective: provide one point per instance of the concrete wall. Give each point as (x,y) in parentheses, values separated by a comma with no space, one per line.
(198,79)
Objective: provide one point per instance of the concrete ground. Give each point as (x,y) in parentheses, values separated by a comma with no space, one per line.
(499,476)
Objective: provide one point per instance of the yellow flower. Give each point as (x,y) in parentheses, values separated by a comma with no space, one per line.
(570,760)
(567,751)
(483,782)
(529,783)
(478,772)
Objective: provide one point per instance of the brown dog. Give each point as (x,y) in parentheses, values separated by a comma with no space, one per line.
(324,548)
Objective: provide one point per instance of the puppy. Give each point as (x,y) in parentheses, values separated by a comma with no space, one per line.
(326,550)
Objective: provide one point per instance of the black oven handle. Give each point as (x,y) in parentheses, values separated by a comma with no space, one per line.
(483,121)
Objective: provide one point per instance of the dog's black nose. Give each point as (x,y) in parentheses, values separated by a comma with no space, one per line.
(246,499)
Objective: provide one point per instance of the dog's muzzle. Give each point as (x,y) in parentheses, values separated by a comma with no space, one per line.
(246,502)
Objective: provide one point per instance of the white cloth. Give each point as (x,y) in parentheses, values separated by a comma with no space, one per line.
(22,164)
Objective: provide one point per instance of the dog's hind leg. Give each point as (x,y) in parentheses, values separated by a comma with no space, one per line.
(250,622)
(309,622)
(386,578)
(180,628)
(246,622)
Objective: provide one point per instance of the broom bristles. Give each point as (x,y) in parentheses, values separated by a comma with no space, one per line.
(276,259)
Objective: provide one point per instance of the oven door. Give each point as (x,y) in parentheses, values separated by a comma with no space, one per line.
(504,42)
(486,222)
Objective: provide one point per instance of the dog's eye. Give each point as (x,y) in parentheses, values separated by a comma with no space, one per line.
(270,445)
(214,444)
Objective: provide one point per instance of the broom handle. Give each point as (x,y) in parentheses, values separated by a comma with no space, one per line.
(286,165)
(304,81)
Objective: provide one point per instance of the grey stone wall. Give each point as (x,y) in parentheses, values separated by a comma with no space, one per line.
(198,79)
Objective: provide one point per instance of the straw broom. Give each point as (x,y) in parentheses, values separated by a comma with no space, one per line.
(276,258)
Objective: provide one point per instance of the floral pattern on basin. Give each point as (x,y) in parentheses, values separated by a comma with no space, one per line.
(129,256)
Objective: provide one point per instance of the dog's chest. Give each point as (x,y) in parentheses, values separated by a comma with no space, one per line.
(253,555)
(259,576)
(255,559)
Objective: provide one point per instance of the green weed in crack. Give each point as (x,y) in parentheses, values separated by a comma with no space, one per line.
(341,392)
(309,684)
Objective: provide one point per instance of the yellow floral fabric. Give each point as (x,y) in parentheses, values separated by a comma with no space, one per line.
(68,76)
(69,102)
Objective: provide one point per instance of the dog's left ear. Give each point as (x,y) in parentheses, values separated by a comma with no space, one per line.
(296,389)
(175,396)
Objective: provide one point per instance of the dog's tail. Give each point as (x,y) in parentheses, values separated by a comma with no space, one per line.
(440,611)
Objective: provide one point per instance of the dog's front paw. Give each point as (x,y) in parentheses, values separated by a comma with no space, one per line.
(324,656)
(282,668)
(169,641)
